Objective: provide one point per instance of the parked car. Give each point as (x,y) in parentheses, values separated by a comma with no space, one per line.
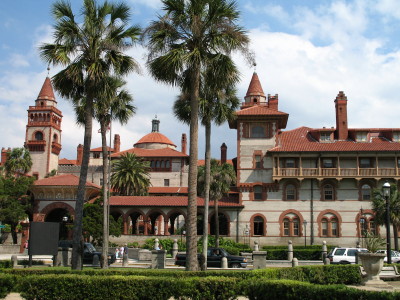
(89,251)
(394,255)
(214,258)
(343,255)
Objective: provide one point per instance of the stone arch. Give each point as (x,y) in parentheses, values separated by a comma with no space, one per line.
(156,222)
(322,215)
(284,215)
(175,224)
(55,205)
(136,221)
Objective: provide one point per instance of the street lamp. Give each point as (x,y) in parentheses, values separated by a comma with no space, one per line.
(362,231)
(305,233)
(386,194)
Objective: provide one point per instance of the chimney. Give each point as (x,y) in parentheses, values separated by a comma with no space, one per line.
(3,155)
(79,154)
(273,102)
(117,143)
(183,143)
(342,132)
(223,153)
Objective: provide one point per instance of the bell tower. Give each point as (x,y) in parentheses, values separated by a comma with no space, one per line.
(43,132)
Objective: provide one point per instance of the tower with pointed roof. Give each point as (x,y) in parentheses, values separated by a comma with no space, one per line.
(43,132)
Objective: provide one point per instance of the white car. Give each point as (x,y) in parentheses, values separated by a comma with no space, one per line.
(395,256)
(344,255)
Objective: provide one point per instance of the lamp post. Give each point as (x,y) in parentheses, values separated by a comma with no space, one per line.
(305,233)
(362,231)
(386,194)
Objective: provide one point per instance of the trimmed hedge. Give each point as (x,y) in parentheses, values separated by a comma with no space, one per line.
(289,289)
(5,264)
(7,282)
(300,252)
(125,287)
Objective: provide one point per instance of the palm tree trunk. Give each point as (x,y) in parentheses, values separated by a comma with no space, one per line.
(395,237)
(206,194)
(104,253)
(191,223)
(77,243)
(216,223)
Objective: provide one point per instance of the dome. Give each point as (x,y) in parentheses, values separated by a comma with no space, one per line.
(154,140)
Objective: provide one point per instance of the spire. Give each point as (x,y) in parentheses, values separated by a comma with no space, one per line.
(155,125)
(255,88)
(46,93)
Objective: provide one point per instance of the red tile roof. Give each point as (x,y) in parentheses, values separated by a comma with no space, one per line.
(65,161)
(260,110)
(177,201)
(300,140)
(255,87)
(46,93)
(168,190)
(155,137)
(63,180)
(165,152)
(99,149)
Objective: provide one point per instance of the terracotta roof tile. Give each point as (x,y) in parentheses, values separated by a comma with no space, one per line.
(176,201)
(259,110)
(155,137)
(255,87)
(300,140)
(63,180)
(99,149)
(65,161)
(46,93)
(165,152)
(168,190)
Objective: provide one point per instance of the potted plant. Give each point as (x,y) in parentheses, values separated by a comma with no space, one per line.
(373,262)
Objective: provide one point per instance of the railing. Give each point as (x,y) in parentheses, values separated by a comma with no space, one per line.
(45,108)
(334,172)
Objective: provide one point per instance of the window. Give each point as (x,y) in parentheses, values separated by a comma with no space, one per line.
(166,182)
(329,225)
(257,159)
(327,163)
(328,192)
(258,225)
(361,136)
(157,164)
(96,155)
(296,231)
(101,181)
(39,136)
(325,136)
(257,192)
(257,131)
(291,225)
(366,192)
(290,192)
(367,224)
(290,163)
(286,227)
(167,164)
(152,164)
(324,226)
(55,138)
(396,136)
(365,163)
(334,227)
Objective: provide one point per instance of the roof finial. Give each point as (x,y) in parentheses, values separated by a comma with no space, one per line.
(48,70)
(255,67)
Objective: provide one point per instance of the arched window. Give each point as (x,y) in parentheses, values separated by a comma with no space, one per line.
(366,192)
(290,225)
(290,192)
(328,192)
(257,132)
(39,136)
(286,227)
(367,224)
(55,138)
(334,227)
(329,225)
(257,192)
(324,226)
(258,225)
(296,229)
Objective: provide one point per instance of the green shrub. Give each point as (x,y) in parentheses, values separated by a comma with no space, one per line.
(5,264)
(7,282)
(133,245)
(288,289)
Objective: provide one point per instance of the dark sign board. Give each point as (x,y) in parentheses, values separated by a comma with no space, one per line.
(43,238)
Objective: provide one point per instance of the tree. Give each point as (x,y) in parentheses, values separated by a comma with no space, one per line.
(18,162)
(90,49)
(115,105)
(181,44)
(222,178)
(14,201)
(217,103)
(93,223)
(379,207)
(130,175)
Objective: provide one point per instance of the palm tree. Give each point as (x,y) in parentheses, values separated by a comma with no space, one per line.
(18,162)
(182,42)
(89,49)
(222,178)
(379,207)
(130,175)
(216,104)
(117,107)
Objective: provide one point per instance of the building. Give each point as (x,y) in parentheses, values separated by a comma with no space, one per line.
(307,185)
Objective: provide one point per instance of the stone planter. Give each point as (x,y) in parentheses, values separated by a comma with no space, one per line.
(372,264)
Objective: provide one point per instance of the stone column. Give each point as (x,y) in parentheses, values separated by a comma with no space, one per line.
(290,251)
(224,263)
(295,262)
(156,245)
(166,231)
(175,248)
(158,259)
(259,259)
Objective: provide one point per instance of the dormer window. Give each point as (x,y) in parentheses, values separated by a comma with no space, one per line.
(396,136)
(325,136)
(361,137)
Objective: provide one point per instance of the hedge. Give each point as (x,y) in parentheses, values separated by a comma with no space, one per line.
(125,287)
(289,289)
(7,282)
(5,264)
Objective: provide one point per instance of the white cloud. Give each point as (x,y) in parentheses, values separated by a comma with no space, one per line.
(18,60)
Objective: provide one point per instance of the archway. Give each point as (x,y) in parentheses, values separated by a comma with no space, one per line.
(61,216)
(176,223)
(223,224)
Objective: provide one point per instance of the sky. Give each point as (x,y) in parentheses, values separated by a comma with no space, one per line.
(306,52)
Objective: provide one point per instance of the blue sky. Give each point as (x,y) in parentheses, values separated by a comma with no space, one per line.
(306,51)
